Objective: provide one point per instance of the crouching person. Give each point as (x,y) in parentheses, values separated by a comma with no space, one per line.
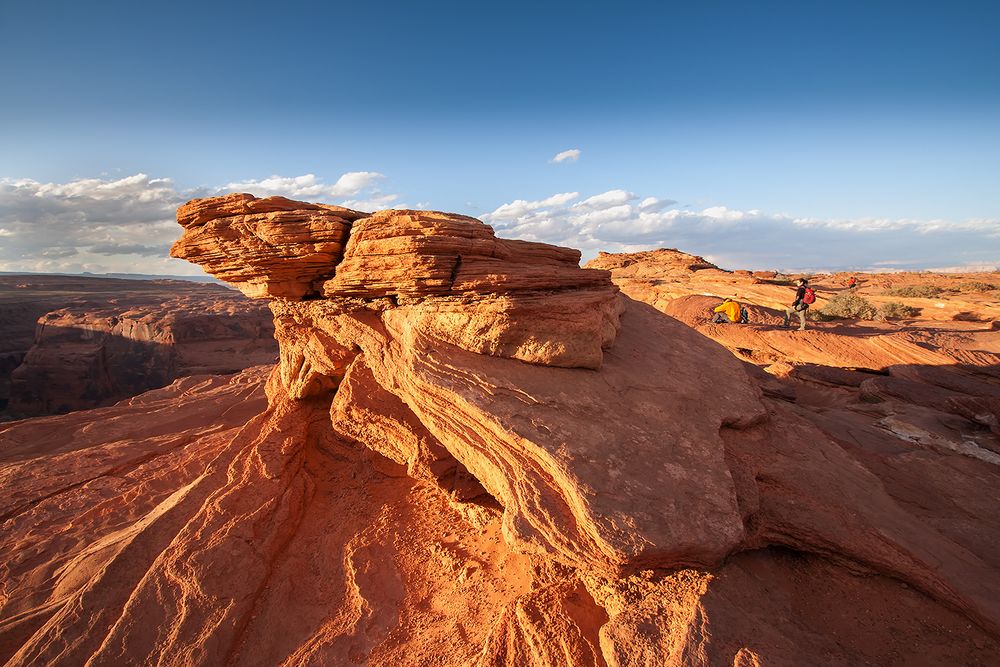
(727,312)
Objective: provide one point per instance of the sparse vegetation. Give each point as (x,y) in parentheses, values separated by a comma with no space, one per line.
(974,286)
(916,291)
(966,316)
(817,315)
(895,311)
(847,306)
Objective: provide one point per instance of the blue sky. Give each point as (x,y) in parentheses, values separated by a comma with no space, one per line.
(771,134)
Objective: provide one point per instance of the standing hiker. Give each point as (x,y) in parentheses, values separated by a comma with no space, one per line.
(804,297)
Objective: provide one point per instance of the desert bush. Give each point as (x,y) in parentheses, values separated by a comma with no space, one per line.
(967,316)
(895,310)
(917,291)
(817,315)
(975,286)
(847,306)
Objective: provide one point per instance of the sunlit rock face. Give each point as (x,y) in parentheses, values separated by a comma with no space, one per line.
(474,452)
(265,247)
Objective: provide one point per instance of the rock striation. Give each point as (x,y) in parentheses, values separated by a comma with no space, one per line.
(474,452)
(265,247)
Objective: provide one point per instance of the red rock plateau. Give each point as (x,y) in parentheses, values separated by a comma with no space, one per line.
(73,342)
(474,452)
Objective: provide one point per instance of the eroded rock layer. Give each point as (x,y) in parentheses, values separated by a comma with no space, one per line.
(266,247)
(515,465)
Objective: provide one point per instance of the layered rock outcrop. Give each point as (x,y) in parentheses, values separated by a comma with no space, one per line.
(265,247)
(444,274)
(475,452)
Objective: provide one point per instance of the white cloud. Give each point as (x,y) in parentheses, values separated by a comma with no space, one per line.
(605,200)
(73,226)
(521,207)
(619,221)
(988,226)
(375,202)
(571,155)
(308,185)
(652,204)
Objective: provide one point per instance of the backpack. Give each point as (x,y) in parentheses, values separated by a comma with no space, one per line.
(809,296)
(744,315)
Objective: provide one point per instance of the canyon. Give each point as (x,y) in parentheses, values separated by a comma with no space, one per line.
(472,451)
(77,342)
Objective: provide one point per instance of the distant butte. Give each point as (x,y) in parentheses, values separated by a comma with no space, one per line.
(474,452)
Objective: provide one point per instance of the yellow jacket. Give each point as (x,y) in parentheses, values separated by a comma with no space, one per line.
(731,309)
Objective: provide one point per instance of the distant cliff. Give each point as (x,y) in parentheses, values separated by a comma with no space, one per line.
(74,342)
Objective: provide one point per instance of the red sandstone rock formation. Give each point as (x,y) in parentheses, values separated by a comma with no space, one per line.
(100,340)
(438,478)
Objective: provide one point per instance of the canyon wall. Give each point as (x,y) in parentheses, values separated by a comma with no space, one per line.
(75,342)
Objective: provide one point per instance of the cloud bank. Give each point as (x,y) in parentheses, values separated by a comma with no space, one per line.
(622,221)
(127,224)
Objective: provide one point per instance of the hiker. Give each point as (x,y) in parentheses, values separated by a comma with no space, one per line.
(804,296)
(852,283)
(728,311)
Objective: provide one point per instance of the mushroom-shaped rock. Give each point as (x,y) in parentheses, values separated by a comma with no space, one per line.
(449,274)
(272,247)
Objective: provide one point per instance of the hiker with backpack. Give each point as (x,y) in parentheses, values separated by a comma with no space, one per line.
(729,311)
(804,297)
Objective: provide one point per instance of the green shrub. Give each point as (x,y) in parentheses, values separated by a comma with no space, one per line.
(916,291)
(895,310)
(974,286)
(847,306)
